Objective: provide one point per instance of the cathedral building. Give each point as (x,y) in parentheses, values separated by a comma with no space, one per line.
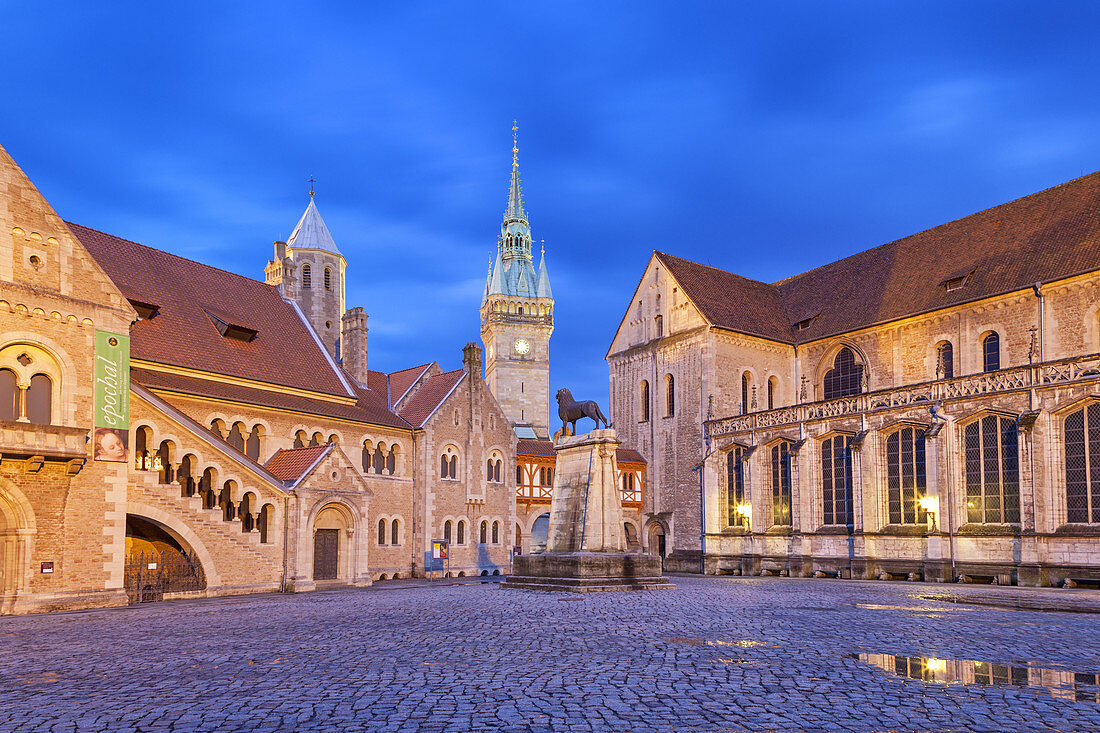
(927,409)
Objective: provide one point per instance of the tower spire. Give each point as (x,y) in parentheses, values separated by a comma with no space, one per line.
(515,193)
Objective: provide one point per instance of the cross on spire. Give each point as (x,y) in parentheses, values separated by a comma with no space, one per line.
(312,180)
(515,144)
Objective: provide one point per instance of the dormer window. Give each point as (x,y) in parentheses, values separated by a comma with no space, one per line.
(805,322)
(957,281)
(145,311)
(232,330)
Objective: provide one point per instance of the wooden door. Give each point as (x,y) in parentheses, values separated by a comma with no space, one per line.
(326,551)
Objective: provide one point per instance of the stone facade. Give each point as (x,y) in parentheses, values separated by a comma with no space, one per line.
(820,452)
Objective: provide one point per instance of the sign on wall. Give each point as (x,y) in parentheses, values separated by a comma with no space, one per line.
(111,439)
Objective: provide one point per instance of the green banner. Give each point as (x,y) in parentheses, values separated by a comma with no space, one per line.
(112,396)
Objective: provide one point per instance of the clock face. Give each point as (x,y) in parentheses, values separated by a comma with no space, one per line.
(522,346)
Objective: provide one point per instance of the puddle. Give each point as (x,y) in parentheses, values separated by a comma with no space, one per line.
(691,641)
(911,609)
(1060,683)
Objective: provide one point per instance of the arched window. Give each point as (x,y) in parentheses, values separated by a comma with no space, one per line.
(746,382)
(496,533)
(236,436)
(366,456)
(846,376)
(185,475)
(300,439)
(307,277)
(484,532)
(447,531)
(519,474)
(836,481)
(380,459)
(328,278)
(497,469)
(381,531)
(444,472)
(643,401)
(735,487)
(142,436)
(945,361)
(316,440)
(265,523)
(991,352)
(781,483)
(39,400)
(992,471)
(391,460)
(659,326)
(252,445)
(163,464)
(773,387)
(670,395)
(9,395)
(905,476)
(1083,465)
(454,467)
(460,537)
(395,529)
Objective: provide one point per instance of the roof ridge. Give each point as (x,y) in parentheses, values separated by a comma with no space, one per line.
(172,254)
(663,255)
(789,278)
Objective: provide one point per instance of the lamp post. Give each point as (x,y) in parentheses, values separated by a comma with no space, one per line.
(931,505)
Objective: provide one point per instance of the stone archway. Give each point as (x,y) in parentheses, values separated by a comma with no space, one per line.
(540,534)
(159,562)
(333,530)
(657,539)
(17,530)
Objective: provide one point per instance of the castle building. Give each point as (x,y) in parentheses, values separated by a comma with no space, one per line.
(929,408)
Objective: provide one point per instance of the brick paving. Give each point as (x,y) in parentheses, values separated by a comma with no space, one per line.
(714,654)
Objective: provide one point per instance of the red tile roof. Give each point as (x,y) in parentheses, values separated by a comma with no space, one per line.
(182,333)
(290,464)
(545,449)
(430,396)
(1047,236)
(400,381)
(370,407)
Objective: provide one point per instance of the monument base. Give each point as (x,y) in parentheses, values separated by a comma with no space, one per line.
(586,572)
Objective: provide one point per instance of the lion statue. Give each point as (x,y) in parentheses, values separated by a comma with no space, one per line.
(569,410)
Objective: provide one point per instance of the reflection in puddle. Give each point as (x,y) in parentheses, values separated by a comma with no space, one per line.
(922,609)
(742,644)
(1060,683)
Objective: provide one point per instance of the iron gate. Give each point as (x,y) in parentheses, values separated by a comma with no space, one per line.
(149,575)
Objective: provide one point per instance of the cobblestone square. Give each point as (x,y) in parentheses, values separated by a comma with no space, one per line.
(714,654)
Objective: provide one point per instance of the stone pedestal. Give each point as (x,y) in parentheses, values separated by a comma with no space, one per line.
(586,548)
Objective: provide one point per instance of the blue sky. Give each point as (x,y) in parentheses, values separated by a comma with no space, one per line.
(764,138)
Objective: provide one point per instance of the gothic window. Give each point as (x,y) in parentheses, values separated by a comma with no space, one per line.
(1083,465)
(781,483)
(460,538)
(746,383)
(9,395)
(307,277)
(905,476)
(836,480)
(773,386)
(252,445)
(328,278)
(670,396)
(39,398)
(489,470)
(846,376)
(492,469)
(496,533)
(735,486)
(991,352)
(945,361)
(643,399)
(454,466)
(992,471)
(660,326)
(484,537)
(447,531)
(381,531)
(448,464)
(395,529)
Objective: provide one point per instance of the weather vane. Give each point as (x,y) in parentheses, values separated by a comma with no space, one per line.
(515,143)
(312,180)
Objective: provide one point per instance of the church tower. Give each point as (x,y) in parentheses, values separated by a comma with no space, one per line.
(309,270)
(517,319)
